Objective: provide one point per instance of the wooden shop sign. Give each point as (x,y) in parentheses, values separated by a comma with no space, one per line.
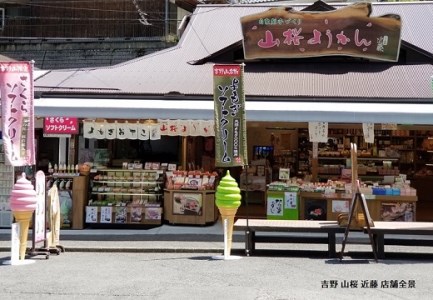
(349,31)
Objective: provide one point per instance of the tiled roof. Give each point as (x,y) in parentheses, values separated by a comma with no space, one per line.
(213,28)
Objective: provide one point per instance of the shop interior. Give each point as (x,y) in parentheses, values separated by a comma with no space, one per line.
(274,146)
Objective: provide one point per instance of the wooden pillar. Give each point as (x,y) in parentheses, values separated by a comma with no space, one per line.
(314,169)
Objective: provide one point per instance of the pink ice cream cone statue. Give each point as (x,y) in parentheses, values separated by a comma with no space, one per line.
(23,204)
(228,199)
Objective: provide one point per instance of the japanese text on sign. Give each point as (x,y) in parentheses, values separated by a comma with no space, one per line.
(369,283)
(16,84)
(351,31)
(318,131)
(229,116)
(229,106)
(60,125)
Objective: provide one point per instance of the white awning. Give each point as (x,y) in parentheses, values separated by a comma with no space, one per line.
(255,111)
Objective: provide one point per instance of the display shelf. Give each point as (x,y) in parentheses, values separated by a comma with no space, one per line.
(126,196)
(322,206)
(190,207)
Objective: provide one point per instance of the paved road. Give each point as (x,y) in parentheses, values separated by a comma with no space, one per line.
(104,275)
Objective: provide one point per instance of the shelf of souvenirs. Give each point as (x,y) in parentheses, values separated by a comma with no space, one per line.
(362,170)
(124,199)
(334,188)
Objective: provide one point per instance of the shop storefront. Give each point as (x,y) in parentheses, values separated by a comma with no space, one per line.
(283,95)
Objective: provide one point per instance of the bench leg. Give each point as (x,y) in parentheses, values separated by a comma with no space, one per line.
(379,240)
(332,253)
(250,242)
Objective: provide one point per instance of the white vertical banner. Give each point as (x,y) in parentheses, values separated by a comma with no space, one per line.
(368,131)
(121,131)
(155,132)
(318,131)
(100,130)
(143,131)
(110,131)
(89,129)
(184,127)
(131,132)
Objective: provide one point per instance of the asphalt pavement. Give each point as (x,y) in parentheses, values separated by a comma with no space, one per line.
(108,275)
(184,262)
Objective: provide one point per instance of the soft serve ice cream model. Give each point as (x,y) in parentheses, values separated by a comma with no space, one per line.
(23,204)
(228,199)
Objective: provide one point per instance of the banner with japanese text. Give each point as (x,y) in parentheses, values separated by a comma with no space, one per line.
(229,111)
(16,91)
(144,131)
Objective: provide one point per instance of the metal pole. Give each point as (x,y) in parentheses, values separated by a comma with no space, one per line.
(247,233)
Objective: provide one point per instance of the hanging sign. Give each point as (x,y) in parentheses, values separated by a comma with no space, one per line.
(110,131)
(230,123)
(350,31)
(318,131)
(154,132)
(60,125)
(99,130)
(143,131)
(173,128)
(16,91)
(368,131)
(208,128)
(146,130)
(121,131)
(131,131)
(89,129)
(184,126)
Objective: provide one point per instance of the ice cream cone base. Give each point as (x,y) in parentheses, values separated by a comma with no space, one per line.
(23,218)
(18,262)
(227,216)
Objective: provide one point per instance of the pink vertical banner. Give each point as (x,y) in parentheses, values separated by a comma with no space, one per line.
(16,91)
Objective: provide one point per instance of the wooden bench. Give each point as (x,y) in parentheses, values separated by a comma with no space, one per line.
(331,228)
(381,229)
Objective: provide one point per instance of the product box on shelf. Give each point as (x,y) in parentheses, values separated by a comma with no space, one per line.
(131,214)
(190,180)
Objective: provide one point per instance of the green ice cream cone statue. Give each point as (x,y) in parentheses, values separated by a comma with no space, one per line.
(228,199)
